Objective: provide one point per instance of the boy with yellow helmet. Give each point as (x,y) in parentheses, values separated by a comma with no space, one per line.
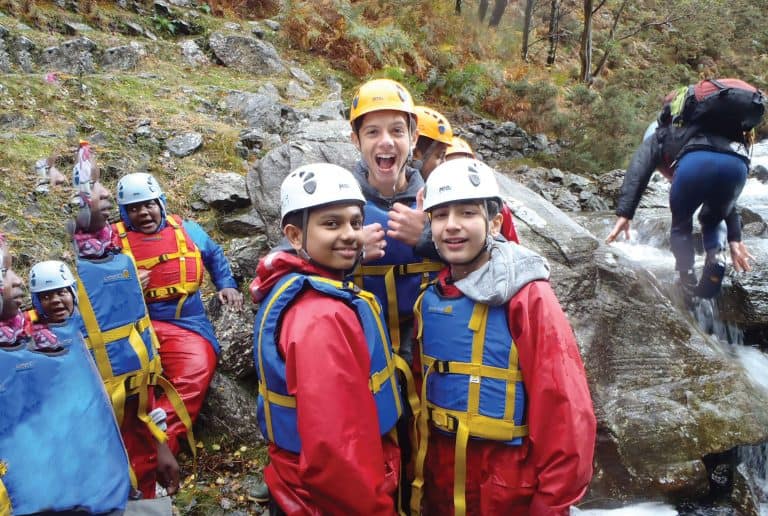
(384,129)
(435,135)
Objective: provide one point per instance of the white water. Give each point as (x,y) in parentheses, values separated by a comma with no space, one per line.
(754,362)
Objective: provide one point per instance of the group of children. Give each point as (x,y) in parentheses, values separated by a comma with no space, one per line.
(115,362)
(451,382)
(412,356)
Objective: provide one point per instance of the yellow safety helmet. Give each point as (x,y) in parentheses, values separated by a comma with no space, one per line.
(433,125)
(459,146)
(380,95)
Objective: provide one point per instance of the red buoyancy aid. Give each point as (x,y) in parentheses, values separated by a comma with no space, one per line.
(171,254)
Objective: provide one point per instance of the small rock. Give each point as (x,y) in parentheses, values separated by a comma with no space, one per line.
(73,28)
(293,90)
(133,28)
(272,24)
(256,29)
(232,26)
(192,53)
(302,76)
(184,145)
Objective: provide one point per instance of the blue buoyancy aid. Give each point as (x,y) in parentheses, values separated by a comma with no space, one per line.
(55,420)
(397,278)
(118,331)
(472,386)
(67,332)
(276,407)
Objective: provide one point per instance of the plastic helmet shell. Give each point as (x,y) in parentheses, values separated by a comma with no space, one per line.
(50,275)
(433,125)
(318,184)
(459,146)
(380,95)
(137,187)
(459,180)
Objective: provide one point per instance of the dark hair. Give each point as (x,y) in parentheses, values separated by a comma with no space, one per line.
(296,218)
(423,144)
(358,122)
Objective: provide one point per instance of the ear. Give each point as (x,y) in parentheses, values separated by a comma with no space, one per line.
(355,139)
(494,225)
(294,235)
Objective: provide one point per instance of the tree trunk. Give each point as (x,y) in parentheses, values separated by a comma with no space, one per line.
(585,52)
(482,9)
(498,11)
(554,31)
(527,27)
(458,6)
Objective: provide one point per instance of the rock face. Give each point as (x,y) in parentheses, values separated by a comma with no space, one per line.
(665,394)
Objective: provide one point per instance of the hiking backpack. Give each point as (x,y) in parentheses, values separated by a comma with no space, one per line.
(721,107)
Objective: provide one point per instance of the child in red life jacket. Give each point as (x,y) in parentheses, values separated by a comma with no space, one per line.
(503,387)
(172,255)
(328,393)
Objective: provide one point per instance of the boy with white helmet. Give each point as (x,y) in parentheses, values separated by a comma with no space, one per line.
(498,364)
(172,255)
(328,395)
(54,297)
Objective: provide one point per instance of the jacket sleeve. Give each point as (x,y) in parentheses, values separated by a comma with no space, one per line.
(733,224)
(342,460)
(561,418)
(213,256)
(644,161)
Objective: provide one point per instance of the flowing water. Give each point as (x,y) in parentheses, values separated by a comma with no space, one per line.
(651,250)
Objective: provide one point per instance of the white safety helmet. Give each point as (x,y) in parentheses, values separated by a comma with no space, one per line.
(318,184)
(50,275)
(137,187)
(464,179)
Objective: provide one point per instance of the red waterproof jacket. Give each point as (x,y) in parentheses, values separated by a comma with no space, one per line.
(551,470)
(508,224)
(345,465)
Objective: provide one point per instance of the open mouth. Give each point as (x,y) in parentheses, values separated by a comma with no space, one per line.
(385,161)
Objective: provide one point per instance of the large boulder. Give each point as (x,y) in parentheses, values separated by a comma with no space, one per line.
(665,394)
(247,54)
(265,178)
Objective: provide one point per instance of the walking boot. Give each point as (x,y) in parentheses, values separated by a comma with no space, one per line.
(712,276)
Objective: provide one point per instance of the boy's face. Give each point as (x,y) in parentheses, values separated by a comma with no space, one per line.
(145,216)
(334,236)
(101,207)
(437,157)
(384,143)
(459,231)
(13,295)
(57,304)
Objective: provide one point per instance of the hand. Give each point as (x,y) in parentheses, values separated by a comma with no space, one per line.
(231,297)
(167,469)
(406,224)
(622,225)
(144,278)
(740,257)
(374,243)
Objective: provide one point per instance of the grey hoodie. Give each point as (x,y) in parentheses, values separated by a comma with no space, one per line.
(509,269)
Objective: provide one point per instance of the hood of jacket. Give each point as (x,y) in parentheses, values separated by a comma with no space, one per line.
(509,269)
(407,196)
(280,261)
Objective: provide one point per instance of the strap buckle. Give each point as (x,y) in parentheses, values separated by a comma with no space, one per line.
(442,366)
(445,421)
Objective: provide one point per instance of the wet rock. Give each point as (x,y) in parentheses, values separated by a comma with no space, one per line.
(185,144)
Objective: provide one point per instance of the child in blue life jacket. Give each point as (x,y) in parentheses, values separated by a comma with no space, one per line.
(328,393)
(60,446)
(506,424)
(119,334)
(172,256)
(435,135)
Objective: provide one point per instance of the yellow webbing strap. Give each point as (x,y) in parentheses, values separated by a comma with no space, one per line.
(266,394)
(184,287)
(276,398)
(181,410)
(422,431)
(5,499)
(94,339)
(389,272)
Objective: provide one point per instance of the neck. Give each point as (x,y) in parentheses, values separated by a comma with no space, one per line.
(461,271)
